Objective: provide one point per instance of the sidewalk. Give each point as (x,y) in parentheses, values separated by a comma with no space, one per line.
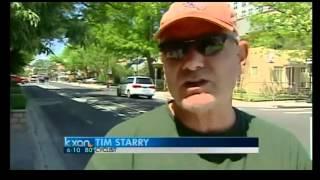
(165,95)
(22,145)
(271,104)
(162,95)
(31,144)
(92,86)
(237,103)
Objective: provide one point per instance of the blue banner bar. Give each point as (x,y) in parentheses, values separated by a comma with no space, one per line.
(161,142)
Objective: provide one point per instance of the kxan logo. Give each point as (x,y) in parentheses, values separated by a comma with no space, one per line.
(77,143)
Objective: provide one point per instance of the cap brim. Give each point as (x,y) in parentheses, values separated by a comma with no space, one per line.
(216,22)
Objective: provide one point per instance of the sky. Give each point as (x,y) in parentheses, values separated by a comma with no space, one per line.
(57,47)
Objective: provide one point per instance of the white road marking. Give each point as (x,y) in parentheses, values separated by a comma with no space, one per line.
(91,101)
(63,94)
(46,86)
(119,114)
(284,109)
(133,112)
(311,138)
(88,122)
(106,107)
(308,112)
(82,100)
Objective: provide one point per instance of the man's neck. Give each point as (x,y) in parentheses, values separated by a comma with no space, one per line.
(214,120)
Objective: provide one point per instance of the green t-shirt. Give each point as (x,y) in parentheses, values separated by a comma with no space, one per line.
(278,148)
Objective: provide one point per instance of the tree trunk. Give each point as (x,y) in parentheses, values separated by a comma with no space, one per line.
(150,60)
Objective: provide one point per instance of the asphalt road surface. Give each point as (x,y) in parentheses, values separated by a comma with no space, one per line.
(78,111)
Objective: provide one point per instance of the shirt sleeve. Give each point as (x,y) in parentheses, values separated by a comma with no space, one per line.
(304,161)
(113,161)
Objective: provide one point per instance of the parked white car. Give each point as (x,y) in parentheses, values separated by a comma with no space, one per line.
(34,79)
(90,80)
(137,86)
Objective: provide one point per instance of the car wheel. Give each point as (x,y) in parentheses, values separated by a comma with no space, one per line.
(128,94)
(149,97)
(118,93)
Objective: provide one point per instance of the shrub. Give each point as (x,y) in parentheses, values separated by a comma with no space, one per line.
(15,90)
(18,101)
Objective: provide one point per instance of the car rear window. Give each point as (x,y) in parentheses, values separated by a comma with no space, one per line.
(144,81)
(130,80)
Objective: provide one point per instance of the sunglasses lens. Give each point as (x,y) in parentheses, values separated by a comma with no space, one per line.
(212,49)
(172,50)
(174,53)
(212,45)
(207,46)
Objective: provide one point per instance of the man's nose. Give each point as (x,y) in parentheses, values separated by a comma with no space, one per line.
(194,60)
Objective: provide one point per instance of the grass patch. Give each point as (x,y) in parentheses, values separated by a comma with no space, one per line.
(13,84)
(17,98)
(15,90)
(18,101)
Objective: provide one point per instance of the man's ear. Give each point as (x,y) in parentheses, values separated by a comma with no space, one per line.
(243,54)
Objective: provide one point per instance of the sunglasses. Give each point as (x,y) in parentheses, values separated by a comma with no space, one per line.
(207,45)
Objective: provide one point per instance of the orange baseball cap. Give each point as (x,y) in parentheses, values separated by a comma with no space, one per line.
(218,13)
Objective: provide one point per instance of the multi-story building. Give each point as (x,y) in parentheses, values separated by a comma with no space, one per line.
(269,70)
(244,10)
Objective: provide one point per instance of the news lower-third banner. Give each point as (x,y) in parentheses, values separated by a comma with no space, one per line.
(205,145)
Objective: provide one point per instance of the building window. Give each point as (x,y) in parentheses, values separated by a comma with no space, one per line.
(277,74)
(260,9)
(250,11)
(243,12)
(235,7)
(244,4)
(254,70)
(303,84)
(290,76)
(303,70)
(238,84)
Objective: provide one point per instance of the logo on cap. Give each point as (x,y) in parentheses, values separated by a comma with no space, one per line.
(193,5)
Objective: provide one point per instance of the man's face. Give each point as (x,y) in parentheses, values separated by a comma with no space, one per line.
(197,80)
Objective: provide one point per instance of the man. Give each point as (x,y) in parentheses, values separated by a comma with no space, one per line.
(203,57)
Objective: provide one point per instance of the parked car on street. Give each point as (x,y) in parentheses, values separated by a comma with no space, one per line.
(136,86)
(34,79)
(41,79)
(90,80)
(17,79)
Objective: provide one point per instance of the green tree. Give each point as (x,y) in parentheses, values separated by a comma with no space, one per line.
(125,29)
(42,66)
(286,25)
(34,25)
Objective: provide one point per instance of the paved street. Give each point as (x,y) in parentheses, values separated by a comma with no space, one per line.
(74,111)
(80,111)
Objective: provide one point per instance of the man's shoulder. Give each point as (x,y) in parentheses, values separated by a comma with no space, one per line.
(258,125)
(154,122)
(276,142)
(269,132)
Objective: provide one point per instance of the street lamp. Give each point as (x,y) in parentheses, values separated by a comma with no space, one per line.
(270,60)
(138,61)
(156,64)
(309,63)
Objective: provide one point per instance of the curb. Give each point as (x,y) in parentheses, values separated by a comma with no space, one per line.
(47,157)
(20,138)
(288,107)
